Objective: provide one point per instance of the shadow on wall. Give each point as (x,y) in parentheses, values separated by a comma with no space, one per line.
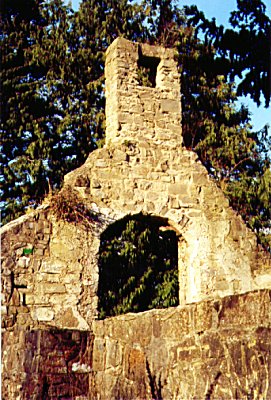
(138,266)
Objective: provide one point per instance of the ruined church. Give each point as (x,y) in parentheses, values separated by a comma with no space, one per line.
(215,344)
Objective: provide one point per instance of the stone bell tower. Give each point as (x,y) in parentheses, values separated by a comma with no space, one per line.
(142,94)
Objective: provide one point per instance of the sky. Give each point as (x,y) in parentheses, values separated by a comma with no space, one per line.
(220,10)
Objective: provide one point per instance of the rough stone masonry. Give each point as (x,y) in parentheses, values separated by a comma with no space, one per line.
(215,344)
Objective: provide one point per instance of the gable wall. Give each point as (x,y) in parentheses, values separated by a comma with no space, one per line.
(137,171)
(51,291)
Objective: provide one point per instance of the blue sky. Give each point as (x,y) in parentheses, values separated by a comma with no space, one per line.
(221,9)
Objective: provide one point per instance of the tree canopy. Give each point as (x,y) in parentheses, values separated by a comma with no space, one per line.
(52,108)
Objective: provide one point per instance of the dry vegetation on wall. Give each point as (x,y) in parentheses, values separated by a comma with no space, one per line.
(67,206)
(138,260)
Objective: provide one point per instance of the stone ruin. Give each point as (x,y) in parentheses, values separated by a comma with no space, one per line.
(215,345)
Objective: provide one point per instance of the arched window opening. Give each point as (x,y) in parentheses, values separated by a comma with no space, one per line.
(138,266)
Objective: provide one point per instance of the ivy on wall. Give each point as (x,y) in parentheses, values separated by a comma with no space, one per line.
(138,266)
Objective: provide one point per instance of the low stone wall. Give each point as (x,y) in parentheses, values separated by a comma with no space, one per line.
(210,350)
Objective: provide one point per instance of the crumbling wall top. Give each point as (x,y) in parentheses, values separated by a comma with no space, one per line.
(142,93)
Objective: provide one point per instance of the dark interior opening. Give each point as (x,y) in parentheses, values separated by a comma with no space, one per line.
(147,69)
(138,266)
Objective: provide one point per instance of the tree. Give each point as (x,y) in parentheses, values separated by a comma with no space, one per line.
(138,266)
(54,103)
(22,109)
(243,51)
(237,157)
(62,59)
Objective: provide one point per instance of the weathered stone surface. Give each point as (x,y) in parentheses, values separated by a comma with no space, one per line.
(43,314)
(216,345)
(46,365)
(179,361)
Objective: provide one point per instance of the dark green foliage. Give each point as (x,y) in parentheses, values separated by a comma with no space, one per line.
(235,155)
(52,108)
(138,267)
(242,51)
(23,125)
(37,145)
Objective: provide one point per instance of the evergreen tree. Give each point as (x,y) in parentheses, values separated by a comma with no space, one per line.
(244,50)
(138,267)
(53,102)
(22,108)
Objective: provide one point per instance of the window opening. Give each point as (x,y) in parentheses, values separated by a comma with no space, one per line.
(138,266)
(147,69)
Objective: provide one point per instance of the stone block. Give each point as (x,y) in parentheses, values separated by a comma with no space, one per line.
(3,310)
(152,196)
(43,314)
(15,298)
(72,278)
(47,278)
(53,288)
(61,249)
(222,285)
(203,317)
(58,299)
(23,262)
(98,360)
(29,299)
(113,353)
(178,189)
(170,106)
(23,320)
(7,263)
(82,181)
(120,156)
(68,319)
(125,117)
(135,364)
(39,226)
(73,288)
(174,202)
(52,266)
(39,252)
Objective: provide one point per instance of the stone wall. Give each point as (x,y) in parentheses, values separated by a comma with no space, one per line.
(141,171)
(49,273)
(216,344)
(218,254)
(50,268)
(135,111)
(46,364)
(209,350)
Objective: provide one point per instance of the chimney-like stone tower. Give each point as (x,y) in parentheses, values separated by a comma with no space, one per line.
(142,94)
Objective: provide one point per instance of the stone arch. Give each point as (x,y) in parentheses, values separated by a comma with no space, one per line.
(138,265)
